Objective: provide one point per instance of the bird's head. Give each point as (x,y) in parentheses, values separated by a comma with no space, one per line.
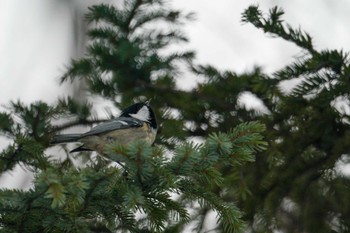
(141,111)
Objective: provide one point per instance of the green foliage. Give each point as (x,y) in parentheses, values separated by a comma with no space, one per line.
(68,199)
(274,24)
(293,186)
(153,187)
(30,129)
(126,48)
(307,135)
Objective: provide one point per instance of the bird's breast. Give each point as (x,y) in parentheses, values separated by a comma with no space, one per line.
(120,136)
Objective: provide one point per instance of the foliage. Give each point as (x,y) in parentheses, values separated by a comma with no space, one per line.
(308,137)
(102,198)
(293,186)
(152,190)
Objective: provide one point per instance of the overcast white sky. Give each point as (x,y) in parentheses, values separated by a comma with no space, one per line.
(36,39)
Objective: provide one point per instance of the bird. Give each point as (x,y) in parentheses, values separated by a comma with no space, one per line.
(136,122)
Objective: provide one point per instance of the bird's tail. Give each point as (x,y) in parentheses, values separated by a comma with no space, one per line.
(64,138)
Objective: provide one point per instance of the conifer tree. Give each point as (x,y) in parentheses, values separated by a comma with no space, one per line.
(296,185)
(292,186)
(155,187)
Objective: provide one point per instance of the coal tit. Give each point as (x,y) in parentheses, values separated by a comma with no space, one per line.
(137,122)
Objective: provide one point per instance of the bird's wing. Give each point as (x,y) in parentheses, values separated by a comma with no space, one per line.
(115,124)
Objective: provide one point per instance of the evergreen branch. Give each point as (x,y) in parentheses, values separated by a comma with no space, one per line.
(27,208)
(184,160)
(76,192)
(134,6)
(333,61)
(78,69)
(92,188)
(6,123)
(107,14)
(312,85)
(26,151)
(229,215)
(159,14)
(273,24)
(124,63)
(302,66)
(105,35)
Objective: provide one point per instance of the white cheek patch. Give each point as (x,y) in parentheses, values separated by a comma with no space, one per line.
(142,114)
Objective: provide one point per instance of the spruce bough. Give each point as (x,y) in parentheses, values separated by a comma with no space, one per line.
(101,197)
(293,186)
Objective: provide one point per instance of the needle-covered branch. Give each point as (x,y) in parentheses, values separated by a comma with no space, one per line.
(146,185)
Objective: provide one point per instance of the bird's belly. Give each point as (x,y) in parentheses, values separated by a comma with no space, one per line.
(122,136)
